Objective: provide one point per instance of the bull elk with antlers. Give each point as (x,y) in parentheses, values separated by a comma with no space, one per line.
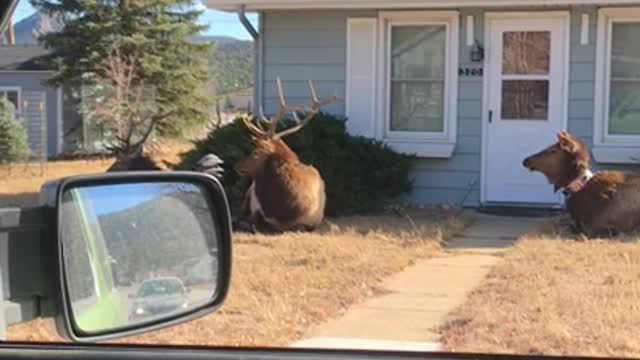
(286,194)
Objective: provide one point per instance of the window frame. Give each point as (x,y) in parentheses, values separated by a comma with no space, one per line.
(18,90)
(422,143)
(610,148)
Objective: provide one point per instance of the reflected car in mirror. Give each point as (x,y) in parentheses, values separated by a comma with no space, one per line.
(159,296)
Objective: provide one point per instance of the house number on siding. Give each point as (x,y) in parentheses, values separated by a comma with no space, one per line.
(469,71)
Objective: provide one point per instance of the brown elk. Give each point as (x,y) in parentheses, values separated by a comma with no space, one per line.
(285,194)
(600,204)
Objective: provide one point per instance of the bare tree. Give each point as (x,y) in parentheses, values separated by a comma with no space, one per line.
(123,103)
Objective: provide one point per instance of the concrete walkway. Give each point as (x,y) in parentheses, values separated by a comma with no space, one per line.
(418,299)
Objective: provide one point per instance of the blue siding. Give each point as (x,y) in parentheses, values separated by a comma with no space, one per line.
(30,81)
(582,75)
(303,45)
(458,178)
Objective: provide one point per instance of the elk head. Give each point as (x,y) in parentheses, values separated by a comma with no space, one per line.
(269,141)
(560,162)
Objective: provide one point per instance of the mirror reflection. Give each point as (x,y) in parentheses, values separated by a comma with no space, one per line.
(135,253)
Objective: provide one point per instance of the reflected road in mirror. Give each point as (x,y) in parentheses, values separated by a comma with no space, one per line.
(135,253)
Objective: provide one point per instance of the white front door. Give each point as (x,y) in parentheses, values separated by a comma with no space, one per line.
(525,103)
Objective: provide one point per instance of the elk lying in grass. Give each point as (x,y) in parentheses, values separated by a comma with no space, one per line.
(600,204)
(285,193)
(133,160)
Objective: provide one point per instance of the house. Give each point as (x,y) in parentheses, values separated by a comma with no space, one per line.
(470,86)
(38,106)
(239,99)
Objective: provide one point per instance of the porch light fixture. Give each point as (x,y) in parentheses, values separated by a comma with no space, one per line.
(477,52)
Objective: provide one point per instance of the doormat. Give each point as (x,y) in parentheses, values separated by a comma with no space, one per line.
(520,211)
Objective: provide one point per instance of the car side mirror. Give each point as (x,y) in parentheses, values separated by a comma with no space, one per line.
(144,226)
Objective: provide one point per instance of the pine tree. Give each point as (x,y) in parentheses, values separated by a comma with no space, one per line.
(155,31)
(13,138)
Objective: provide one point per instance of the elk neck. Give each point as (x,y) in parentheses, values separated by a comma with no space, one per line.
(282,152)
(577,182)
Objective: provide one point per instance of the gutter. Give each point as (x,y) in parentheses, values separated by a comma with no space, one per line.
(258,5)
(257,57)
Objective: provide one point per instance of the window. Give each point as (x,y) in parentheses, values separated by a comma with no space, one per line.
(419,76)
(617,108)
(624,80)
(525,74)
(13,95)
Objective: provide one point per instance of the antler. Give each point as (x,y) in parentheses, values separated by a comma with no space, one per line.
(283,109)
(316,104)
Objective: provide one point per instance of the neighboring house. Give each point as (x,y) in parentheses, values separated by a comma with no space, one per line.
(239,100)
(38,106)
(413,74)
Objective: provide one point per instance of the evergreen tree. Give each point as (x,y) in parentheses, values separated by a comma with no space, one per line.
(155,31)
(13,138)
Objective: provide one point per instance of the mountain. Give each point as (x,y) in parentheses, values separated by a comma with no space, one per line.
(232,65)
(217,39)
(28,29)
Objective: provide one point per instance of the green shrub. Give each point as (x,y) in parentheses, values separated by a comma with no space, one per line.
(13,138)
(360,173)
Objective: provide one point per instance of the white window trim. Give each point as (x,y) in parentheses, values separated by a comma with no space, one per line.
(607,148)
(19,91)
(423,144)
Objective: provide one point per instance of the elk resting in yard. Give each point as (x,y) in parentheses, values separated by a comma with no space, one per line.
(285,193)
(600,204)
(139,161)
(133,159)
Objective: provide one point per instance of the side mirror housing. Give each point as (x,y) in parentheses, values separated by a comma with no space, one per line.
(143,227)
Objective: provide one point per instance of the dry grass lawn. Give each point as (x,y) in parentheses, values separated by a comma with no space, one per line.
(283,284)
(557,296)
(20,183)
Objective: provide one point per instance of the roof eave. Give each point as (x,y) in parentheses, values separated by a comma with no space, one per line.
(258,5)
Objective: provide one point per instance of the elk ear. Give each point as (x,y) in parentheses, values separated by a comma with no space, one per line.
(566,142)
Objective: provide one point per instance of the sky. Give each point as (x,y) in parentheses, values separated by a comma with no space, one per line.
(220,23)
(107,199)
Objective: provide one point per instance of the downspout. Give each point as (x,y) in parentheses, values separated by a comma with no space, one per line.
(257,57)
(247,24)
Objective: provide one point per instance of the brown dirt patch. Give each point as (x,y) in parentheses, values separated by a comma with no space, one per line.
(284,284)
(554,295)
